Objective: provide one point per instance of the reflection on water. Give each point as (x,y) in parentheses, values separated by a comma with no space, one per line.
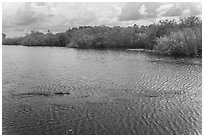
(70,91)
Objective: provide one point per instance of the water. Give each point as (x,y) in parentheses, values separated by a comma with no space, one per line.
(68,91)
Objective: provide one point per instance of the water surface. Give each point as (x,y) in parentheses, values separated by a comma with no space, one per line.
(68,91)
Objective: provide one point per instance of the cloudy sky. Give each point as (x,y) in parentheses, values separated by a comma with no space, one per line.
(20,18)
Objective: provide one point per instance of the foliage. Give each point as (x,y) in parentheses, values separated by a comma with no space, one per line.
(182,37)
(3,36)
(12,41)
(184,42)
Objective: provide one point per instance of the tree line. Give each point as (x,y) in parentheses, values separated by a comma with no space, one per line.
(171,37)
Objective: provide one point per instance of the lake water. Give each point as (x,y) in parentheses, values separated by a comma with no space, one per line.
(68,91)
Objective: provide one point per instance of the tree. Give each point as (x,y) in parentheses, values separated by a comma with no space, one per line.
(3,36)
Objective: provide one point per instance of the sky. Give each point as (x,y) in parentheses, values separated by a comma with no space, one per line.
(20,18)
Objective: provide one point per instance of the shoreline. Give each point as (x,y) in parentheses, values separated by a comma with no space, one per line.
(121,48)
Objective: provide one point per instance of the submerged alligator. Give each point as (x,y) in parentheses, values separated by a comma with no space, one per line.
(31,94)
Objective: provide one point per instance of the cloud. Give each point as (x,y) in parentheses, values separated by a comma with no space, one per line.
(136,11)
(57,16)
(18,18)
(40,3)
(145,10)
(164,8)
(24,14)
(184,9)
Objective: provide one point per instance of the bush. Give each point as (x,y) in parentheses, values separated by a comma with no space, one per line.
(12,41)
(183,37)
(184,42)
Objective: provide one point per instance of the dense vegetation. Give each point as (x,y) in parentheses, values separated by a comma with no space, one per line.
(171,37)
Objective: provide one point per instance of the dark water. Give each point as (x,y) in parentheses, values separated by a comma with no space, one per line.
(69,91)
